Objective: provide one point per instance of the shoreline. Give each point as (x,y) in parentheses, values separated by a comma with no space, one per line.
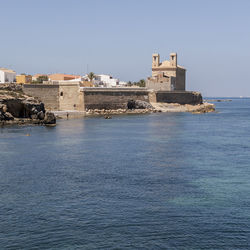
(107,114)
(157,108)
(25,121)
(175,107)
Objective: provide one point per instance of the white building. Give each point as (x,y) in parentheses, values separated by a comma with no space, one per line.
(122,84)
(106,81)
(7,75)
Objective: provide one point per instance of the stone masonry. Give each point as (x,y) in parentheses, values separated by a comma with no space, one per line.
(166,75)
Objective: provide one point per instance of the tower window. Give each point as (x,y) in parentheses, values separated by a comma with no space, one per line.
(61,93)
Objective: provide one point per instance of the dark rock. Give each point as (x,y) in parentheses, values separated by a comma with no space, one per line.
(8,116)
(40,115)
(49,118)
(3,108)
(34,110)
(138,104)
(34,117)
(131,104)
(15,107)
(107,117)
(142,105)
(32,107)
(2,117)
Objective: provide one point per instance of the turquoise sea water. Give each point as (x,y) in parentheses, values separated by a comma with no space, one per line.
(158,181)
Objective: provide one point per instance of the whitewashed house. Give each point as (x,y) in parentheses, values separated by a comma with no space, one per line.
(7,75)
(122,84)
(106,80)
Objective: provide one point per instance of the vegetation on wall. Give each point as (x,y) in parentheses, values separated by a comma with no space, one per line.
(141,83)
(41,79)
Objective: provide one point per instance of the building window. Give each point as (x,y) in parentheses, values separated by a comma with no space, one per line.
(61,94)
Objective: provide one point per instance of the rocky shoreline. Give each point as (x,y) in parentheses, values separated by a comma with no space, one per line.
(17,108)
(175,107)
(140,108)
(155,108)
(92,112)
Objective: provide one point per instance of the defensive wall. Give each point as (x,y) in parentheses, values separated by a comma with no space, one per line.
(48,94)
(181,97)
(111,98)
(70,96)
(57,96)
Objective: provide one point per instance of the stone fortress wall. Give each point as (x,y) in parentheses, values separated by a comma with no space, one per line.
(111,98)
(180,97)
(62,96)
(47,93)
(70,97)
(57,96)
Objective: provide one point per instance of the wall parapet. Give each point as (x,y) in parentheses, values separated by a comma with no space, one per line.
(180,97)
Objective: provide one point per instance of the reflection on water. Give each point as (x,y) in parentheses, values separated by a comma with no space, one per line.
(175,181)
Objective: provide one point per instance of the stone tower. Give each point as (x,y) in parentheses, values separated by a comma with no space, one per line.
(155,60)
(173,59)
(167,75)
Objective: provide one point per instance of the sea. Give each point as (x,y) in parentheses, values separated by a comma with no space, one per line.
(152,181)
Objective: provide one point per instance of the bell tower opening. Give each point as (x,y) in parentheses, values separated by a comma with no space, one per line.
(173,59)
(155,60)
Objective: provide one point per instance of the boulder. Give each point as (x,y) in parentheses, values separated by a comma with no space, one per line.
(32,107)
(131,104)
(40,115)
(3,108)
(142,105)
(2,117)
(138,104)
(34,117)
(8,116)
(49,118)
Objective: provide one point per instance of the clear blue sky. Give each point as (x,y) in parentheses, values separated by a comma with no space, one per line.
(212,39)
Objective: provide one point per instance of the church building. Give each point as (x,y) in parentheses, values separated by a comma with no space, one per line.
(166,75)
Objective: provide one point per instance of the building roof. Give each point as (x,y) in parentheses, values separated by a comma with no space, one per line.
(37,75)
(166,63)
(24,75)
(7,70)
(65,75)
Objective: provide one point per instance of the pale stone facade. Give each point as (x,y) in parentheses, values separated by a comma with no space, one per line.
(166,75)
(59,95)
(62,96)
